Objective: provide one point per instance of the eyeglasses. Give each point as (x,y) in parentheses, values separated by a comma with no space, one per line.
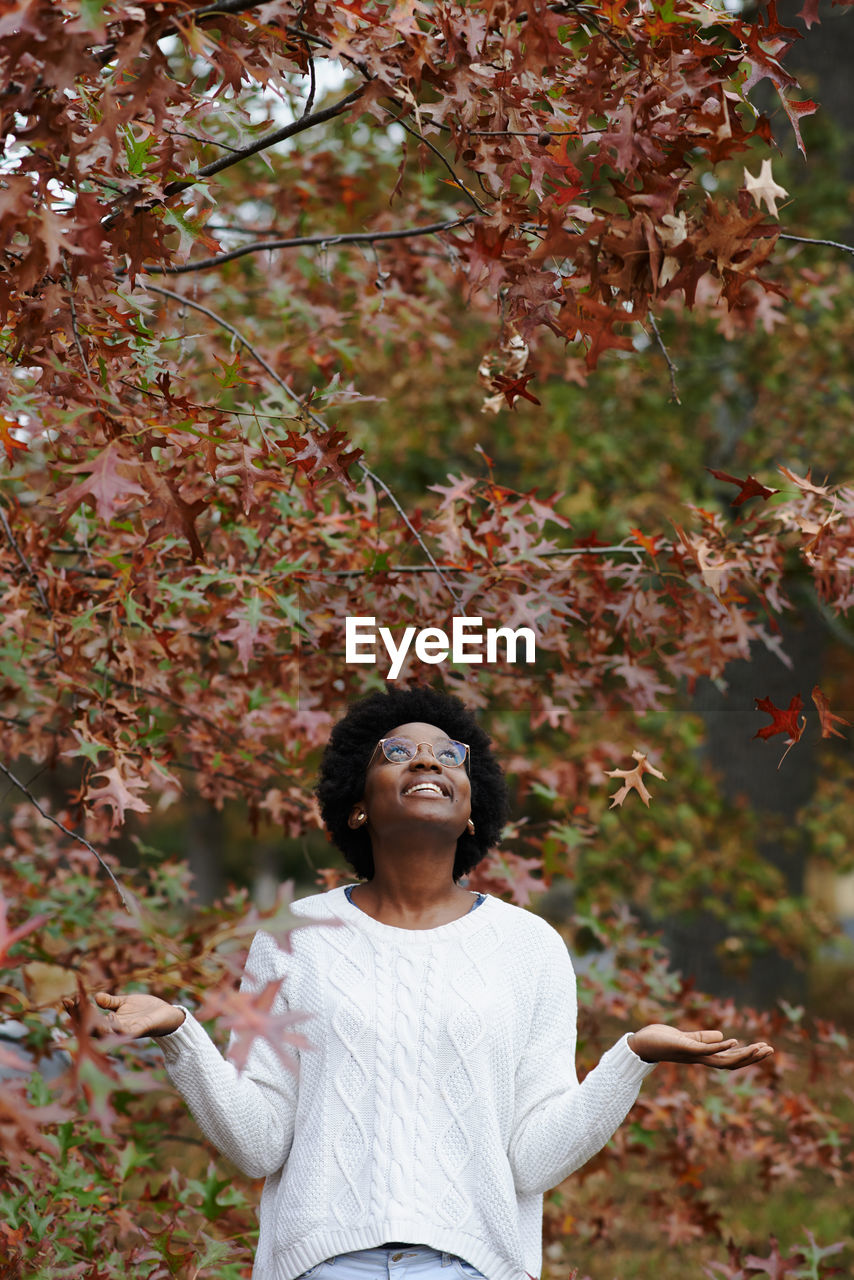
(446,751)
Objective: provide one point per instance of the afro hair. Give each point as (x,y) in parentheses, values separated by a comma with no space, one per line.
(352,743)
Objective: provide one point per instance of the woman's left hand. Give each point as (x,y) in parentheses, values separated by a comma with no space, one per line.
(660,1043)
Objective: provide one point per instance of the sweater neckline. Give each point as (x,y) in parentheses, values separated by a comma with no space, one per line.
(349,911)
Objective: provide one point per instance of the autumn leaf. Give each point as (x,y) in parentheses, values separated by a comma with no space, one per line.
(764,189)
(782,721)
(322,455)
(749,488)
(8,937)
(826,716)
(804,483)
(117,794)
(633,779)
(649,542)
(513,388)
(110,484)
(10,442)
(248,1014)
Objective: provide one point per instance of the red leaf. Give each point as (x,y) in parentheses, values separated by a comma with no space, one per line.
(108,486)
(782,722)
(248,1014)
(8,937)
(513,388)
(749,488)
(826,715)
(322,455)
(809,13)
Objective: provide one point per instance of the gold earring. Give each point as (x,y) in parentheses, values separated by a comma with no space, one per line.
(470,827)
(361,818)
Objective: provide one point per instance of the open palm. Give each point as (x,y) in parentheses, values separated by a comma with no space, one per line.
(138,1014)
(660,1043)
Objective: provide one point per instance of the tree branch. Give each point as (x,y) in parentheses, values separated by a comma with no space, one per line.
(297,242)
(178,297)
(674,390)
(74,836)
(225,162)
(830,244)
(269,140)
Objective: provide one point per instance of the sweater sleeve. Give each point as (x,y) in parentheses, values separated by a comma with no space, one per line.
(559,1124)
(248,1115)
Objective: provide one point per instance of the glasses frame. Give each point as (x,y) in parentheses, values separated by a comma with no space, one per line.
(463,764)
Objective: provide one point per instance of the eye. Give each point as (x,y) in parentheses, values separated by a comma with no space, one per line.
(397,752)
(448,753)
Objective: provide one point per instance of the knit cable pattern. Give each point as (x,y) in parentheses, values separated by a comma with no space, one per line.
(438,1099)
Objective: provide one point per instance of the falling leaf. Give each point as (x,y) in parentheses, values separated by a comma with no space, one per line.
(633,779)
(826,716)
(782,721)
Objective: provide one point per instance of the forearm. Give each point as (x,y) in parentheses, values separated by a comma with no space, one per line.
(248,1121)
(567,1129)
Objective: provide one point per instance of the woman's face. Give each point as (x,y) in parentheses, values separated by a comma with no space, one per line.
(420,791)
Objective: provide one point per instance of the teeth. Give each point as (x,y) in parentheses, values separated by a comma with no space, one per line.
(429,787)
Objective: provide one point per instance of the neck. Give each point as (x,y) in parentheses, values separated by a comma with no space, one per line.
(416,888)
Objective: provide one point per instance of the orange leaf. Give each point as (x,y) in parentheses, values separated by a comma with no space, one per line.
(633,780)
(826,715)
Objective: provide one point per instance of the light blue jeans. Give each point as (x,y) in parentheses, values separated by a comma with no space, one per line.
(418,1263)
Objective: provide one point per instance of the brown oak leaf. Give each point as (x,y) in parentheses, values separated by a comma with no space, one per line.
(116,794)
(633,779)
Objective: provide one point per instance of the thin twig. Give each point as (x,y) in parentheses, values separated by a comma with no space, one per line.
(445,161)
(298,242)
(312,87)
(674,390)
(178,297)
(225,6)
(831,244)
(73,834)
(74,328)
(196,137)
(405,518)
(30,572)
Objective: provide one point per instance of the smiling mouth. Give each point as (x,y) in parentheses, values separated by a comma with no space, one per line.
(426,788)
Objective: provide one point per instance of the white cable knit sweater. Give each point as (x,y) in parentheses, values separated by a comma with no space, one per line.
(438,1101)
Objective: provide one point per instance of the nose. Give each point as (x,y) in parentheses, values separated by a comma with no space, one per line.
(425,758)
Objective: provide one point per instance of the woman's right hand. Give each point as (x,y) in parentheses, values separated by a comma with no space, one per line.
(137,1014)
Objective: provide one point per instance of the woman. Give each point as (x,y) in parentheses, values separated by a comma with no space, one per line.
(439,1098)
